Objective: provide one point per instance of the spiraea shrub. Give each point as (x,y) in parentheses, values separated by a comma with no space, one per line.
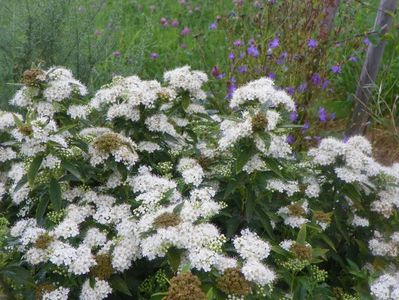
(143,189)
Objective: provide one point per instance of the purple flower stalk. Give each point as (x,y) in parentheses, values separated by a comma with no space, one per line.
(290,90)
(215,71)
(305,127)
(302,87)
(312,43)
(316,79)
(274,43)
(294,117)
(213,26)
(238,43)
(323,117)
(353,59)
(253,51)
(242,69)
(185,31)
(290,139)
(154,55)
(336,69)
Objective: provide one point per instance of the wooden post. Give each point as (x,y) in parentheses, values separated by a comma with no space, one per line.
(329,12)
(360,117)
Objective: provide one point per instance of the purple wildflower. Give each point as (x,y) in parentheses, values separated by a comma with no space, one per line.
(116,54)
(305,127)
(312,43)
(323,115)
(154,55)
(332,116)
(282,57)
(290,139)
(272,75)
(242,54)
(242,69)
(290,90)
(213,26)
(231,56)
(175,23)
(253,51)
(215,71)
(293,116)
(325,84)
(353,59)
(316,79)
(185,31)
(221,76)
(274,43)
(336,69)
(164,22)
(97,32)
(183,46)
(302,87)
(366,41)
(238,43)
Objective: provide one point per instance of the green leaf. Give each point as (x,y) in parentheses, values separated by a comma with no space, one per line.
(120,285)
(21,183)
(17,121)
(33,169)
(243,158)
(209,294)
(72,169)
(274,166)
(41,208)
(174,258)
(55,194)
(17,273)
(158,296)
(301,238)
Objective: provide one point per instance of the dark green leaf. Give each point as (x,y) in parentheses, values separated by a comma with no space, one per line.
(120,285)
(301,238)
(33,169)
(41,208)
(55,194)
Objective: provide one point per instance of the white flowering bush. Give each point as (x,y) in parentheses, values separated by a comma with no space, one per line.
(145,190)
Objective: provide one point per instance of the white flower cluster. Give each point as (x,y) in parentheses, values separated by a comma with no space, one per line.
(253,250)
(264,91)
(386,287)
(123,96)
(59,85)
(191,171)
(60,293)
(294,215)
(122,148)
(358,165)
(187,80)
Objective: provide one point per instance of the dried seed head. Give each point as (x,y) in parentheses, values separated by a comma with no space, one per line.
(32,77)
(42,289)
(43,241)
(301,251)
(259,122)
(296,209)
(167,220)
(108,142)
(25,129)
(233,282)
(185,286)
(322,216)
(103,270)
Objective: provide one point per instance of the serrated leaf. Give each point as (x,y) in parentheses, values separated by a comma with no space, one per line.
(120,285)
(301,238)
(174,258)
(21,183)
(72,169)
(41,208)
(55,194)
(34,169)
